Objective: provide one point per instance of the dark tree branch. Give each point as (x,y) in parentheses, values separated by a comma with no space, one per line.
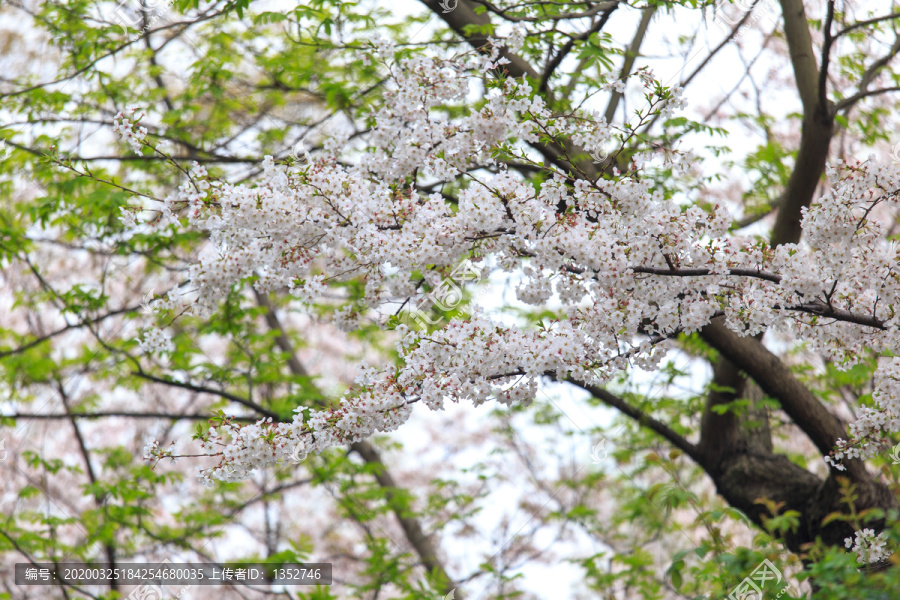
(776,379)
(869,76)
(683,272)
(462,20)
(108,547)
(281,338)
(817,128)
(569,45)
(183,24)
(826,54)
(593,10)
(725,434)
(866,23)
(412,529)
(208,390)
(848,102)
(630,56)
(61,330)
(642,419)
(803,60)
(769,372)
(751,219)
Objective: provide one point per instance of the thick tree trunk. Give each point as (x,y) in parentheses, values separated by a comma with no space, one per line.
(742,478)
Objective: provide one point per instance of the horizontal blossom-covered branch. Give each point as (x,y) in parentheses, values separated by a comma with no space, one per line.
(624,259)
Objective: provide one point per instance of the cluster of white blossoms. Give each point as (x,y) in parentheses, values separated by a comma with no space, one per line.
(127,128)
(631,267)
(156,341)
(868,433)
(869,547)
(151,449)
(251,447)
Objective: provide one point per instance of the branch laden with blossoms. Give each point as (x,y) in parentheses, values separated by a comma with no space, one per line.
(625,260)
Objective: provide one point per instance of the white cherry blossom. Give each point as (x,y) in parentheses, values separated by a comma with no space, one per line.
(625,261)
